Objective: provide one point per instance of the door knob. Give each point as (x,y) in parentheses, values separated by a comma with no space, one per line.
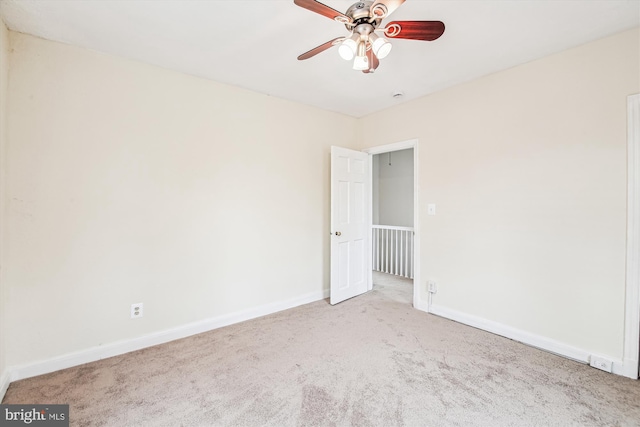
(338,233)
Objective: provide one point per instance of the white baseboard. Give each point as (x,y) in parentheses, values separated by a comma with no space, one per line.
(421,305)
(538,341)
(628,369)
(114,349)
(4,383)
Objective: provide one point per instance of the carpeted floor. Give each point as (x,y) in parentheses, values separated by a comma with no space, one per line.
(369,361)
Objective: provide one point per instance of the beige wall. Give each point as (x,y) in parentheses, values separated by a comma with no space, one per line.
(129,183)
(528,171)
(393,188)
(4,74)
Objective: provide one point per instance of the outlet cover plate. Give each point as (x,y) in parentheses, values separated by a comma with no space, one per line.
(601,363)
(432,287)
(136,310)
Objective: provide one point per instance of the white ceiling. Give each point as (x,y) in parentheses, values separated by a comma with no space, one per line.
(254,44)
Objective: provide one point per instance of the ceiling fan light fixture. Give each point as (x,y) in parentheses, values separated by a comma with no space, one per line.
(347,49)
(361,63)
(362,19)
(381,46)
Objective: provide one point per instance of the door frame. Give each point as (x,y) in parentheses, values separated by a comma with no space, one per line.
(388,148)
(631,352)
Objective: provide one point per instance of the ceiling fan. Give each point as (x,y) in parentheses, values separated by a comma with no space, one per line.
(362,20)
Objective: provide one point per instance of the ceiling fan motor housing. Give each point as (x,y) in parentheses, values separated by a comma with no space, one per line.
(360,13)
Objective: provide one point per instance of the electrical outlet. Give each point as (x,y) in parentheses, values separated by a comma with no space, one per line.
(432,287)
(601,363)
(136,310)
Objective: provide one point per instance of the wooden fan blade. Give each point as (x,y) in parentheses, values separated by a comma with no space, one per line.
(414,30)
(321,48)
(391,5)
(373,62)
(324,10)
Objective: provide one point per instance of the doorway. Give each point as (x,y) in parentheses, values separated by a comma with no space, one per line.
(394,206)
(392,224)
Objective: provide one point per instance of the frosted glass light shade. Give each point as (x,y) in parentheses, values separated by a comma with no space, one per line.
(381,47)
(347,49)
(361,63)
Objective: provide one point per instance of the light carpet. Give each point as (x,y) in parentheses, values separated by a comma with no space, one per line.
(369,361)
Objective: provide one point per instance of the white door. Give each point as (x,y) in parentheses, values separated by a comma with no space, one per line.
(350,223)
